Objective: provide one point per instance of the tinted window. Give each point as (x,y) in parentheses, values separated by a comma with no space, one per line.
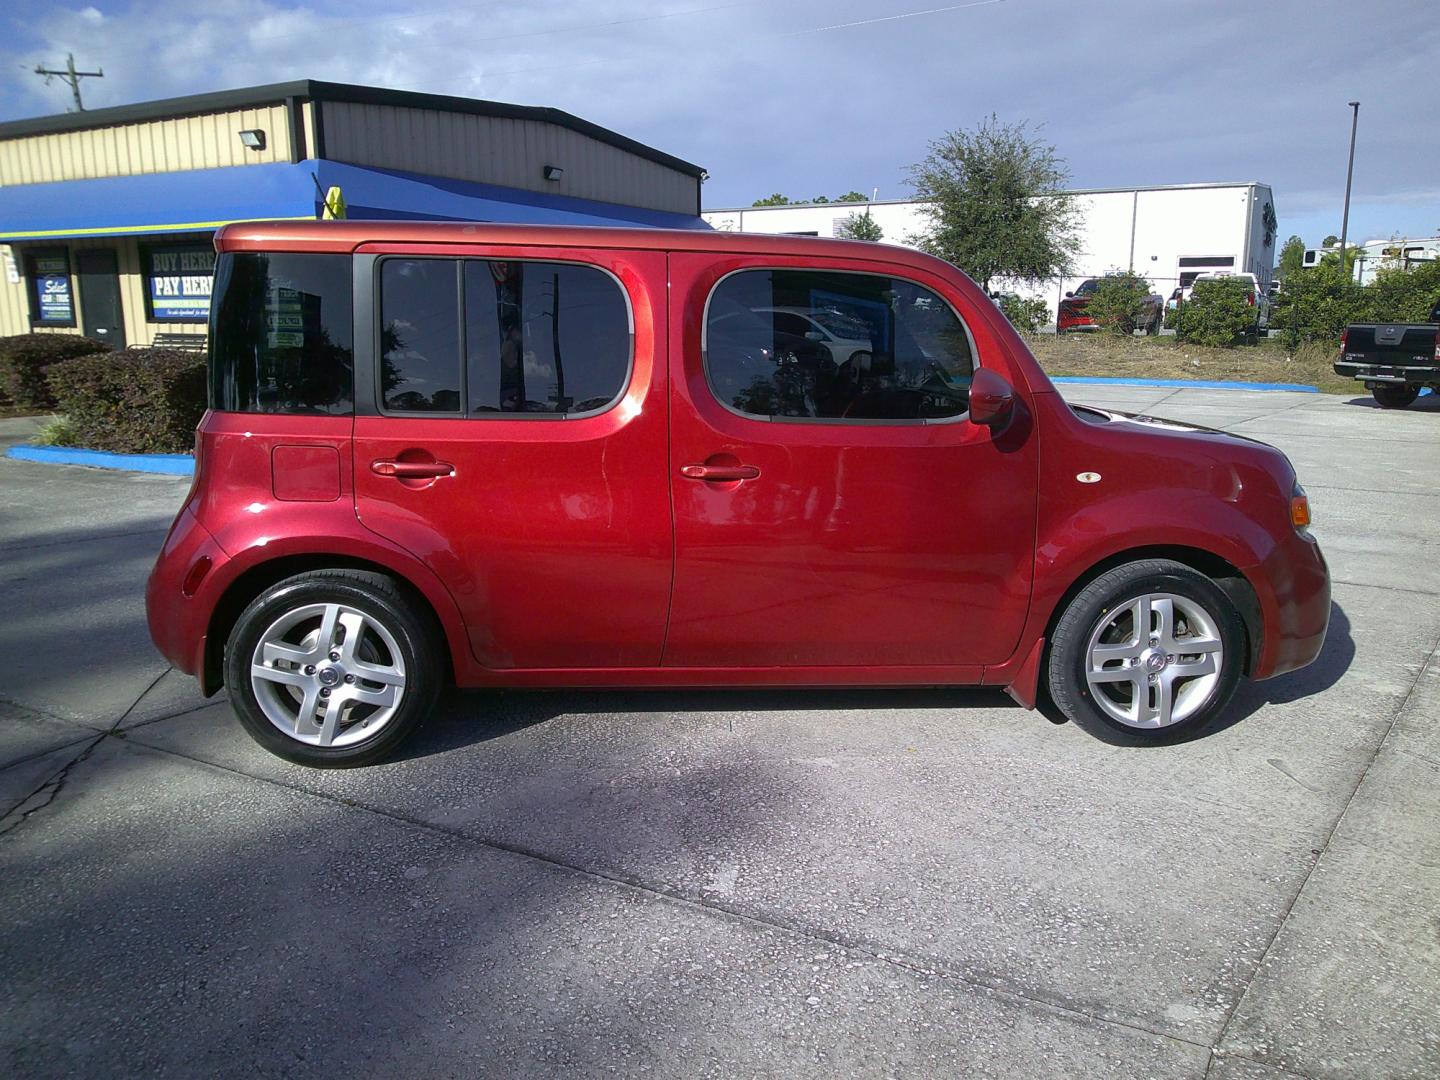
(895,350)
(544,338)
(419,335)
(280,334)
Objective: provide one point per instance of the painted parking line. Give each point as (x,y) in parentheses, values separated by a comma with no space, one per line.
(169,464)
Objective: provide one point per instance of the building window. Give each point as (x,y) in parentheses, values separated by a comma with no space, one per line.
(820,345)
(178,282)
(280,334)
(50,287)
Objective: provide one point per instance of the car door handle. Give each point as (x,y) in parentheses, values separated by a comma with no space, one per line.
(412,470)
(719,472)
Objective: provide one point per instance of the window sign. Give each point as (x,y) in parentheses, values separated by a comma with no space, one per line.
(179,280)
(54,302)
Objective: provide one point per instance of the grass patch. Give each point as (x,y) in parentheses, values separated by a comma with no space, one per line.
(58,432)
(1110,357)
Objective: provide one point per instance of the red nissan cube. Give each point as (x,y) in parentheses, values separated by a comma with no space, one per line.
(534,456)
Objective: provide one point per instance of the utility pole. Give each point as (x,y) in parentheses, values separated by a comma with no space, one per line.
(1349,172)
(71,77)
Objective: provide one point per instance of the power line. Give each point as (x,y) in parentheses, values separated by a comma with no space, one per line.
(895,18)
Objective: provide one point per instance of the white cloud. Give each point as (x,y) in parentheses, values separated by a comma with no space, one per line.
(1130,91)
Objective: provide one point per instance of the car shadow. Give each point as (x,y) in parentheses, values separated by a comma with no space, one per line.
(1334,660)
(1427,402)
(468,717)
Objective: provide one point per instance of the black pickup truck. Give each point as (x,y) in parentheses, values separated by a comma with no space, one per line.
(1394,361)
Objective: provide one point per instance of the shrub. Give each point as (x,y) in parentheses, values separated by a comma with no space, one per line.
(1218,313)
(58,432)
(1316,304)
(25,361)
(1027,315)
(1118,302)
(139,401)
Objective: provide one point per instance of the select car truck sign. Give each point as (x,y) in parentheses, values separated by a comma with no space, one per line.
(52,289)
(179,281)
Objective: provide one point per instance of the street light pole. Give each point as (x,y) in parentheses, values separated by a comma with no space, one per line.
(1349,173)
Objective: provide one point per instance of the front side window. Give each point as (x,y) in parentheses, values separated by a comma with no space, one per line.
(507,336)
(280,334)
(822,345)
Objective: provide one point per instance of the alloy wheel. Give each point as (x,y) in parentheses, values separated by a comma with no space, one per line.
(1154,661)
(328,675)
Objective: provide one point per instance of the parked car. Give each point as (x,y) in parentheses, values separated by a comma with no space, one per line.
(541,457)
(845,336)
(1257,296)
(1072,314)
(1394,361)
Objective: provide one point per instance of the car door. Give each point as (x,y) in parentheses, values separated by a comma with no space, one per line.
(511,432)
(847,517)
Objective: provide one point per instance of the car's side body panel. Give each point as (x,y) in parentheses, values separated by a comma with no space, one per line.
(867,554)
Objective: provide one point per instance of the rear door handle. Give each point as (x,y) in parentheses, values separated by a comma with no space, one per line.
(719,472)
(412,470)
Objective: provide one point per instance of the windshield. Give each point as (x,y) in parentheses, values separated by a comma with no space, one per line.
(1087,287)
(842,326)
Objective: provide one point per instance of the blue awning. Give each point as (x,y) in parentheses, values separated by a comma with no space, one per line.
(208,198)
(157,202)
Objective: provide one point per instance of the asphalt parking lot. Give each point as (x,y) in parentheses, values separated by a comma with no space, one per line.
(869,883)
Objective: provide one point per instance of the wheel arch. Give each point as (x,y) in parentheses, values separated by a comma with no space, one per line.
(254,580)
(1230,579)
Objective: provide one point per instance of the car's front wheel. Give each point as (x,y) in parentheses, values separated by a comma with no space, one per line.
(1395,397)
(332,668)
(1152,648)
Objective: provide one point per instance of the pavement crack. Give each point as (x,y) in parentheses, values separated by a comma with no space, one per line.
(49,789)
(857,946)
(1325,847)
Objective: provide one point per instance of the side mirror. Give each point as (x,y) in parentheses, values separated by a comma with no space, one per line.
(814,335)
(1069,296)
(991,398)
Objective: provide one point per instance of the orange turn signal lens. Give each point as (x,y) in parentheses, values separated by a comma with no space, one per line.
(1299,509)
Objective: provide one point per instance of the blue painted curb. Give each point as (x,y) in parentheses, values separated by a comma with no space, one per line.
(1188,384)
(170,464)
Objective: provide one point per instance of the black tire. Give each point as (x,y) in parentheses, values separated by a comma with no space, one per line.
(376,597)
(1395,397)
(1152,328)
(1069,644)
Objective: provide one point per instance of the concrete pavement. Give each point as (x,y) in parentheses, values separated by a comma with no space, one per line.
(712,884)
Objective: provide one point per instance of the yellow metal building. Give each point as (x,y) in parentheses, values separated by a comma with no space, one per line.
(106,216)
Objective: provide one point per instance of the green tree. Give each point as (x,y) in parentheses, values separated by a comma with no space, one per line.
(1398,295)
(1292,258)
(852,196)
(995,206)
(1118,303)
(1330,241)
(859,227)
(820,199)
(1026,314)
(774,200)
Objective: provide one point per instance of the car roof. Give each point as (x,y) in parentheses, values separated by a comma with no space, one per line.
(347,236)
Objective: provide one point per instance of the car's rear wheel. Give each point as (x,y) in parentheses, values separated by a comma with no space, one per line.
(1152,648)
(332,668)
(1152,328)
(1395,397)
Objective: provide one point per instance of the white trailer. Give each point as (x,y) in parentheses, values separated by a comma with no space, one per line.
(1168,234)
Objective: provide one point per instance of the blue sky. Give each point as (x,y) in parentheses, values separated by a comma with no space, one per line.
(809,97)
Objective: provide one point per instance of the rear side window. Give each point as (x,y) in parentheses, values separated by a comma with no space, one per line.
(480,337)
(280,334)
(820,345)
